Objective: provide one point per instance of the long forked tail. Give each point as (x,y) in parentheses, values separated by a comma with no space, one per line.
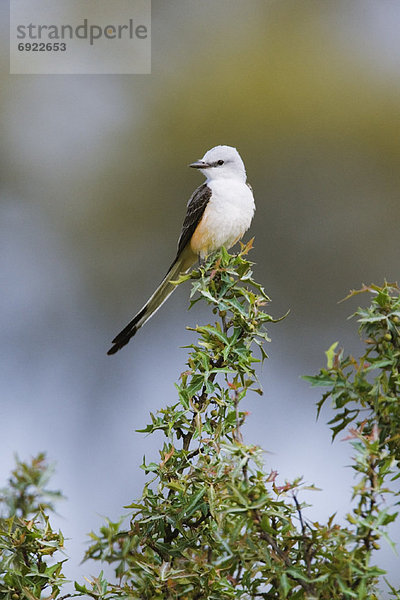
(181,265)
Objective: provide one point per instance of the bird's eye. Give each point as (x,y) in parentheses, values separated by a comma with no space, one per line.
(220,162)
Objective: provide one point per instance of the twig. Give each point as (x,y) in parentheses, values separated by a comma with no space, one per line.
(187,438)
(237,434)
(307,587)
(307,543)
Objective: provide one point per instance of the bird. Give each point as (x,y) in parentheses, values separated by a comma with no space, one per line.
(218,214)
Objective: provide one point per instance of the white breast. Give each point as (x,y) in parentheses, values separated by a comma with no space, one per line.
(226,218)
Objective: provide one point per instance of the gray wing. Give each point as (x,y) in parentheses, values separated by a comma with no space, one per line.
(196,207)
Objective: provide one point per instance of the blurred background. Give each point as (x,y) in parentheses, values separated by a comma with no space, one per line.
(94,184)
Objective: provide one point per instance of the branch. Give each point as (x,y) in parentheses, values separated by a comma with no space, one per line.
(307,587)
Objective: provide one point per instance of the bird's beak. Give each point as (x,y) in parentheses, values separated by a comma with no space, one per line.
(200,164)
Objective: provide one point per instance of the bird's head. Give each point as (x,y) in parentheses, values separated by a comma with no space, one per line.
(221,162)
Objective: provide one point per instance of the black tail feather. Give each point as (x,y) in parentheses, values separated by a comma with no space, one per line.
(122,342)
(181,264)
(127,333)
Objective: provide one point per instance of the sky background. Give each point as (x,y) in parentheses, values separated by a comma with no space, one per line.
(93,190)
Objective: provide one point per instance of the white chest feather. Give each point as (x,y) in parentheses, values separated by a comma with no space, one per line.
(226,218)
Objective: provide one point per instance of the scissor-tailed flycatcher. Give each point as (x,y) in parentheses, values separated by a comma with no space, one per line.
(218,214)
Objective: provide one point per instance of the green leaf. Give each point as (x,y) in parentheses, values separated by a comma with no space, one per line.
(324,379)
(284,584)
(195,503)
(330,355)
